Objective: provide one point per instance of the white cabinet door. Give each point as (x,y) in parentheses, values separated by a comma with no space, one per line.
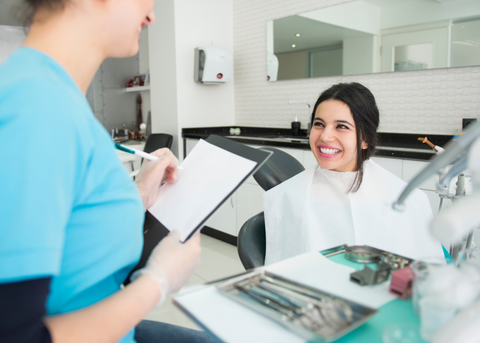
(191,144)
(412,168)
(393,165)
(224,218)
(309,159)
(250,203)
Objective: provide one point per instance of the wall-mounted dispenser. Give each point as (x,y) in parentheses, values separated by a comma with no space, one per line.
(272,67)
(213,65)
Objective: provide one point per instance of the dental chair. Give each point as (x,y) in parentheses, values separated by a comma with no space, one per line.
(158,140)
(251,242)
(154,142)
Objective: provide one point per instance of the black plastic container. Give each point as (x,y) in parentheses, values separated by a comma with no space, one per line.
(296,128)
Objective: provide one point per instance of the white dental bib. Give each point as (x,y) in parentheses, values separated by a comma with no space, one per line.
(313,211)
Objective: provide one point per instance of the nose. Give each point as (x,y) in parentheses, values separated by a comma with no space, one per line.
(327,135)
(150,18)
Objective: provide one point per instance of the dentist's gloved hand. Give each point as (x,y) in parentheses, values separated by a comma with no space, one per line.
(153,173)
(171,263)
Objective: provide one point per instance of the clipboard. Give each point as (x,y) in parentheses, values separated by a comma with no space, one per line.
(154,231)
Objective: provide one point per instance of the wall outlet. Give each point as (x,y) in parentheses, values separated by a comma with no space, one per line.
(468,121)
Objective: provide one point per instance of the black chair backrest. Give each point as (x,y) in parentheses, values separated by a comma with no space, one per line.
(158,140)
(251,242)
(278,168)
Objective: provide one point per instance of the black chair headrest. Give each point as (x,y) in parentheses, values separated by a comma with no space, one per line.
(278,168)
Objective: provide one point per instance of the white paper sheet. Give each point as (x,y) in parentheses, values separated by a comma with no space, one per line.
(315,270)
(208,176)
(231,321)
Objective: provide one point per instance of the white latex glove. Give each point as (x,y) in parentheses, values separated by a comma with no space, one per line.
(171,263)
(153,173)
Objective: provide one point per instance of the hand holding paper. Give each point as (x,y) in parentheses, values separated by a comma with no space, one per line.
(153,173)
(210,174)
(212,171)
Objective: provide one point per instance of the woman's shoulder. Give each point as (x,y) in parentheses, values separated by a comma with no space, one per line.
(370,167)
(30,73)
(391,183)
(37,99)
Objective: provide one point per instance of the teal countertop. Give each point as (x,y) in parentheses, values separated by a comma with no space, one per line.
(395,314)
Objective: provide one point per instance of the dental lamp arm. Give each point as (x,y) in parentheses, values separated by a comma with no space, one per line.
(457,148)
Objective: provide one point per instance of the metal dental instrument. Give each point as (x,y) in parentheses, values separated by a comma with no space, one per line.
(320,301)
(306,317)
(265,301)
(292,302)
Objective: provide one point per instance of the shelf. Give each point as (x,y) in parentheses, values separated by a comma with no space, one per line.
(137,89)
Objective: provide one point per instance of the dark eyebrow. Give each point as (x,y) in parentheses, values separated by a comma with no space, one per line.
(343,122)
(336,121)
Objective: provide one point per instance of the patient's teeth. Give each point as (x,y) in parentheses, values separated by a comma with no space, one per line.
(328,151)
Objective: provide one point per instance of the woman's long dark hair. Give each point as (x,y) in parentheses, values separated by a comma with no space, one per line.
(365,114)
(30,7)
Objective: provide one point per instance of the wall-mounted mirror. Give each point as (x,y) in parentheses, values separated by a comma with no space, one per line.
(372,36)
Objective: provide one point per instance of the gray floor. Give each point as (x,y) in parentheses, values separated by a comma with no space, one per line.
(218,260)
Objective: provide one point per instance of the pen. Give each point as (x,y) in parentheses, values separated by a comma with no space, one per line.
(136,152)
(140,153)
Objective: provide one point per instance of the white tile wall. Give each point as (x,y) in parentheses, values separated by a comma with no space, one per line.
(429,102)
(11,38)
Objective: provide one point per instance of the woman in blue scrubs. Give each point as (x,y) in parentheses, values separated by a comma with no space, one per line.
(71,217)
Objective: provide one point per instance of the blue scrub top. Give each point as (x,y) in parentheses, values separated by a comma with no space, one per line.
(68,208)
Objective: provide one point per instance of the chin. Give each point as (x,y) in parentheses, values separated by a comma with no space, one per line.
(128,52)
(329,165)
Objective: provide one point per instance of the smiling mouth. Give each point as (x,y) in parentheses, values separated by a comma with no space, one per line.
(328,151)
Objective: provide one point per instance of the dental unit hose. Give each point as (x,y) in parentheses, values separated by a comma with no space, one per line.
(438,149)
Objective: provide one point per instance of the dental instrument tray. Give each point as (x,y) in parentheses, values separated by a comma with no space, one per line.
(311,313)
(368,254)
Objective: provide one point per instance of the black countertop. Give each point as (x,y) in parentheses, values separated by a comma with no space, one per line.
(397,145)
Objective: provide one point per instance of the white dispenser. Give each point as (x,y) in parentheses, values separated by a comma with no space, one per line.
(213,65)
(272,67)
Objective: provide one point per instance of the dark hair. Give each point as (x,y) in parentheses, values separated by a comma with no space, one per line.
(365,114)
(30,7)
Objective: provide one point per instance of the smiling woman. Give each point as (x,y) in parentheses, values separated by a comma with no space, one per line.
(72,226)
(345,116)
(347,198)
(333,137)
